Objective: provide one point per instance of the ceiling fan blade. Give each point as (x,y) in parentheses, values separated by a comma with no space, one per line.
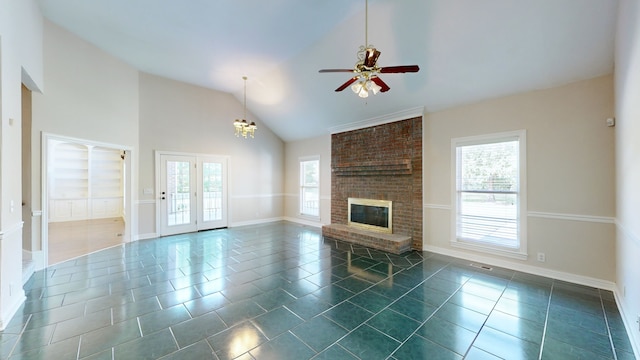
(399,69)
(382,84)
(371,57)
(345,85)
(335,70)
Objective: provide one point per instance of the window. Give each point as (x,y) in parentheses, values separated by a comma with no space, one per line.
(490,194)
(310,187)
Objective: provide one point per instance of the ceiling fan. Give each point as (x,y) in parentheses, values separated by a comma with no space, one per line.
(366,69)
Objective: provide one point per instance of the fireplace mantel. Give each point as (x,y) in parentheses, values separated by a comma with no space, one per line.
(374,168)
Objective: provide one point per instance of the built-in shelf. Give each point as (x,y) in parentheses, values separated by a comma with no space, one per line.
(374,168)
(85,182)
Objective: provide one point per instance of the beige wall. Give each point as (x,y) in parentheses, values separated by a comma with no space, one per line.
(295,150)
(20,62)
(178,117)
(570,176)
(627,89)
(89,95)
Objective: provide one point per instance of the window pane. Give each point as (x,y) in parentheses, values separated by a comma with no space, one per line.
(310,201)
(489,217)
(309,187)
(487,181)
(310,173)
(492,167)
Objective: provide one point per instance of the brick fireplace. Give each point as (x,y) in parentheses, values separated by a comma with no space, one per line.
(382,162)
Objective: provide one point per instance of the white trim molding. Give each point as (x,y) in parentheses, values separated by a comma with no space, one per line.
(437,206)
(315,224)
(145,236)
(256,222)
(11,229)
(554,274)
(379,120)
(627,233)
(628,323)
(36,213)
(572,217)
(556,216)
(256,196)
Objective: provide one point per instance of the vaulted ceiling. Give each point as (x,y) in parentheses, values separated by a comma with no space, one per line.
(467,50)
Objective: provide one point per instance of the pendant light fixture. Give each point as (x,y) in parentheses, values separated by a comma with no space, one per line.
(241,125)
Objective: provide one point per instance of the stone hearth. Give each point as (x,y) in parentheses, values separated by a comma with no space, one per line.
(396,244)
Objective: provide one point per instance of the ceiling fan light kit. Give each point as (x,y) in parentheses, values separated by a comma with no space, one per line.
(242,127)
(366,69)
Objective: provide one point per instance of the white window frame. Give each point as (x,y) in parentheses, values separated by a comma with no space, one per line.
(519,252)
(302,186)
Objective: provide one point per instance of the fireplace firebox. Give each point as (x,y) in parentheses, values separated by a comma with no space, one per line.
(374,215)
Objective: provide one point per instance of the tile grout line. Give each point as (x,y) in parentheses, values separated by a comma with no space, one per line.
(606,322)
(490,312)
(546,321)
(361,324)
(24,328)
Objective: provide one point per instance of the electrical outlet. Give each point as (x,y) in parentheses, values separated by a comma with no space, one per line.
(542,257)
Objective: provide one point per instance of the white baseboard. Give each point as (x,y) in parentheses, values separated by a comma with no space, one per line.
(256,222)
(554,274)
(629,325)
(6,316)
(38,259)
(145,236)
(315,224)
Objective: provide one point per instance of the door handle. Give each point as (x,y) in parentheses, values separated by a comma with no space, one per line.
(162,197)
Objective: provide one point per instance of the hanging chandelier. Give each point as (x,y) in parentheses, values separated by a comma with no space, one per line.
(241,125)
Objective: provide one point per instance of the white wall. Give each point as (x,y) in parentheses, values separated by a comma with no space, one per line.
(295,150)
(89,95)
(179,117)
(20,61)
(570,177)
(627,90)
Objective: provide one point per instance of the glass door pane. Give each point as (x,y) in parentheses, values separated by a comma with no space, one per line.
(212,191)
(178,193)
(212,185)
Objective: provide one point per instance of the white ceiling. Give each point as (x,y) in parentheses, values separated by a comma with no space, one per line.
(467,50)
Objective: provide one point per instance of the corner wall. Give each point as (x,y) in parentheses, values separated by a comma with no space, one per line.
(20,62)
(89,95)
(179,117)
(570,177)
(627,93)
(294,151)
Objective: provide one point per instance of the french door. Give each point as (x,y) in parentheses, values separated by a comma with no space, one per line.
(192,193)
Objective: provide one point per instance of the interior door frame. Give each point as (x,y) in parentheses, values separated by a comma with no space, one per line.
(130,178)
(158,174)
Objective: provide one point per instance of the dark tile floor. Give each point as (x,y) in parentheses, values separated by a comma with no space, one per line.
(279,291)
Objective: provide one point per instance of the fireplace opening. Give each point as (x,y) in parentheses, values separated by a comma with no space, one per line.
(370,214)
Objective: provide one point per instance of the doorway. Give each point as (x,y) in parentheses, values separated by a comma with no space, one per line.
(86,205)
(192,192)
